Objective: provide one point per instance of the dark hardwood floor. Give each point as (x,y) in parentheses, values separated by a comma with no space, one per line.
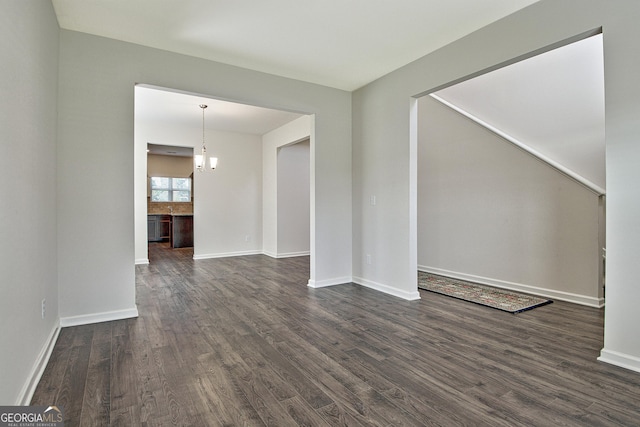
(244,341)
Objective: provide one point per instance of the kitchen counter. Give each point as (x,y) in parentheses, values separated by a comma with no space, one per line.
(170,213)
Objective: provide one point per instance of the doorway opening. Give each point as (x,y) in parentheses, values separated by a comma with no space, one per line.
(293,200)
(510,178)
(229,204)
(170,197)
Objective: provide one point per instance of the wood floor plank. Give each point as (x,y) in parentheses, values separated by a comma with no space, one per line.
(124,388)
(219,391)
(96,401)
(49,385)
(72,387)
(358,400)
(305,388)
(338,415)
(259,395)
(303,414)
(148,379)
(244,341)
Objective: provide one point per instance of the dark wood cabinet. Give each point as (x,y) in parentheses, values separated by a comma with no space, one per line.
(164,227)
(152,228)
(182,231)
(177,229)
(158,228)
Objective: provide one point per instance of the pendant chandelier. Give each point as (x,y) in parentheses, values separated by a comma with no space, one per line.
(201,159)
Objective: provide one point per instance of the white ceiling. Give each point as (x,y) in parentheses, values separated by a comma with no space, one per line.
(552,103)
(153,105)
(338,43)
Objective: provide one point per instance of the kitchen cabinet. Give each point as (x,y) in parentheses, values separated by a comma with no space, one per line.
(158,228)
(176,228)
(182,231)
(152,225)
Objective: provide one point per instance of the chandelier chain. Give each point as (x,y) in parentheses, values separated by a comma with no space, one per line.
(201,159)
(203,106)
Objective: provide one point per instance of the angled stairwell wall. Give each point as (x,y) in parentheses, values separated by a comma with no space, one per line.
(491,212)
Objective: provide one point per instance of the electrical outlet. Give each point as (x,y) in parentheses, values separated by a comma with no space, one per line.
(247,238)
(44,308)
(369,259)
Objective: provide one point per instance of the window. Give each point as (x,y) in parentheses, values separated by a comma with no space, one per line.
(165,189)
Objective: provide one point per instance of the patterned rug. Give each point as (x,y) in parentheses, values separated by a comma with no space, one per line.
(480,294)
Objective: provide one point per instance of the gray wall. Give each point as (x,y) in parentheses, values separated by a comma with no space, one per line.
(96,244)
(293,199)
(385,146)
(28,271)
(90,252)
(490,212)
(236,185)
(296,131)
(68,229)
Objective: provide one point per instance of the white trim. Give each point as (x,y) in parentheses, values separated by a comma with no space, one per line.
(519,287)
(86,319)
(286,255)
(26,394)
(227,254)
(413,191)
(577,177)
(409,296)
(620,359)
(293,254)
(142,261)
(270,254)
(329,282)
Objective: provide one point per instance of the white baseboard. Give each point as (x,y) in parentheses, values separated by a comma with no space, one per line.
(409,296)
(519,287)
(620,359)
(227,254)
(142,261)
(329,282)
(86,319)
(286,255)
(293,254)
(26,394)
